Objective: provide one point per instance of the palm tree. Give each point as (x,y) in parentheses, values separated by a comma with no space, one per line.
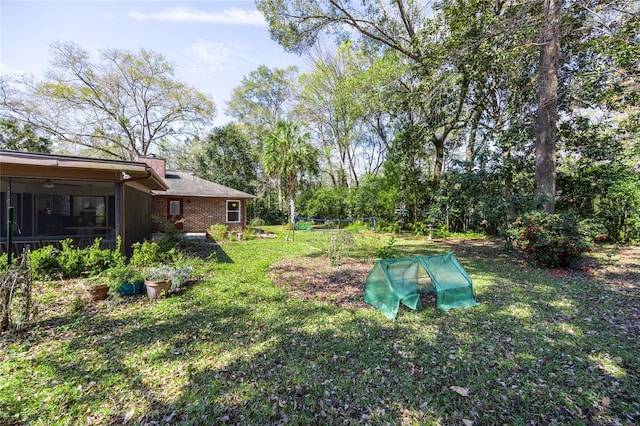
(287,156)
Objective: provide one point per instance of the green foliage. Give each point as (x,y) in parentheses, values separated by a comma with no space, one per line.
(597,181)
(256,221)
(71,259)
(386,251)
(324,202)
(271,215)
(289,156)
(146,253)
(339,244)
(4,258)
(15,137)
(375,196)
(119,274)
(44,262)
(177,275)
(358,225)
(218,231)
(227,159)
(551,239)
(98,260)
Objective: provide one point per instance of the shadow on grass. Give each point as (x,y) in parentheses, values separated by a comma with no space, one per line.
(538,350)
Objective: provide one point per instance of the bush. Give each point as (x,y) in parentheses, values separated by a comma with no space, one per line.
(97,260)
(146,253)
(44,262)
(256,222)
(386,251)
(71,259)
(550,239)
(218,232)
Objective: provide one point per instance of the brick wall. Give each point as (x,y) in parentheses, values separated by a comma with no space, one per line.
(198,213)
(159,165)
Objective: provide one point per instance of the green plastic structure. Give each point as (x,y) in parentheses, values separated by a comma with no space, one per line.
(395,281)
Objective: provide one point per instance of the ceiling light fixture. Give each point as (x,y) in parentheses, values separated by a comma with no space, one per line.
(48,184)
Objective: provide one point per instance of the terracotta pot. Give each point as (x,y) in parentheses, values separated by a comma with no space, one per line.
(97,292)
(155,288)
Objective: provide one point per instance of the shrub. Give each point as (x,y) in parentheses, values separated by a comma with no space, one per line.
(146,253)
(71,259)
(218,231)
(550,239)
(386,251)
(97,260)
(119,275)
(44,262)
(256,221)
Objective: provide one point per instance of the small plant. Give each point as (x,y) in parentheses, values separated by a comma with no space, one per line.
(71,259)
(217,232)
(178,276)
(339,244)
(97,259)
(386,251)
(256,221)
(43,262)
(146,253)
(120,275)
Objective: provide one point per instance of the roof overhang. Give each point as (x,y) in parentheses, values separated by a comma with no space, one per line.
(46,166)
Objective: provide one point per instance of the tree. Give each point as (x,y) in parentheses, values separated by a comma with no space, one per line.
(333,100)
(288,156)
(263,97)
(226,158)
(121,107)
(400,25)
(15,137)
(548,103)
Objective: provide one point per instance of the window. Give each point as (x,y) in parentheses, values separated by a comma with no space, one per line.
(233,211)
(175,209)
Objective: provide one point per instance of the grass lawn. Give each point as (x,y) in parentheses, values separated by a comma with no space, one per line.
(541,348)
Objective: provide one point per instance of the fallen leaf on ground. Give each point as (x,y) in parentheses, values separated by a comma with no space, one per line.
(460,390)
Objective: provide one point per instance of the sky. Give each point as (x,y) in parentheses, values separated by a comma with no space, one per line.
(212,43)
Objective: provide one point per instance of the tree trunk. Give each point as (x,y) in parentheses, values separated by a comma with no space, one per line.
(545,180)
(508,186)
(438,144)
(470,152)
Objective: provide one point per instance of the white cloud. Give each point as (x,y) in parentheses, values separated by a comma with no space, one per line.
(7,70)
(181,14)
(215,56)
(109,16)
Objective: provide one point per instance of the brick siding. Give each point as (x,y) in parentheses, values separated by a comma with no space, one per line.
(198,212)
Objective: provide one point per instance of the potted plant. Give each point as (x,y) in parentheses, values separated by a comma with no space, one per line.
(125,280)
(157,279)
(165,278)
(96,288)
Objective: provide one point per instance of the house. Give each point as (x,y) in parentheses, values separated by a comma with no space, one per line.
(53,197)
(193,204)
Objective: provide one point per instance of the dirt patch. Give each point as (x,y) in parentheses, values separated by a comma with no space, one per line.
(314,278)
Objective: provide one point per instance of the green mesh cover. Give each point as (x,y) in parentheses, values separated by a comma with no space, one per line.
(395,281)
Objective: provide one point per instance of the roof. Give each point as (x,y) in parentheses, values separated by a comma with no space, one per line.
(187,185)
(51,166)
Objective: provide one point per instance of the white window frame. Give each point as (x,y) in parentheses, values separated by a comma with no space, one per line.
(239,211)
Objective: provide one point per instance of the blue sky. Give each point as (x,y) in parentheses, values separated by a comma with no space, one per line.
(212,43)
